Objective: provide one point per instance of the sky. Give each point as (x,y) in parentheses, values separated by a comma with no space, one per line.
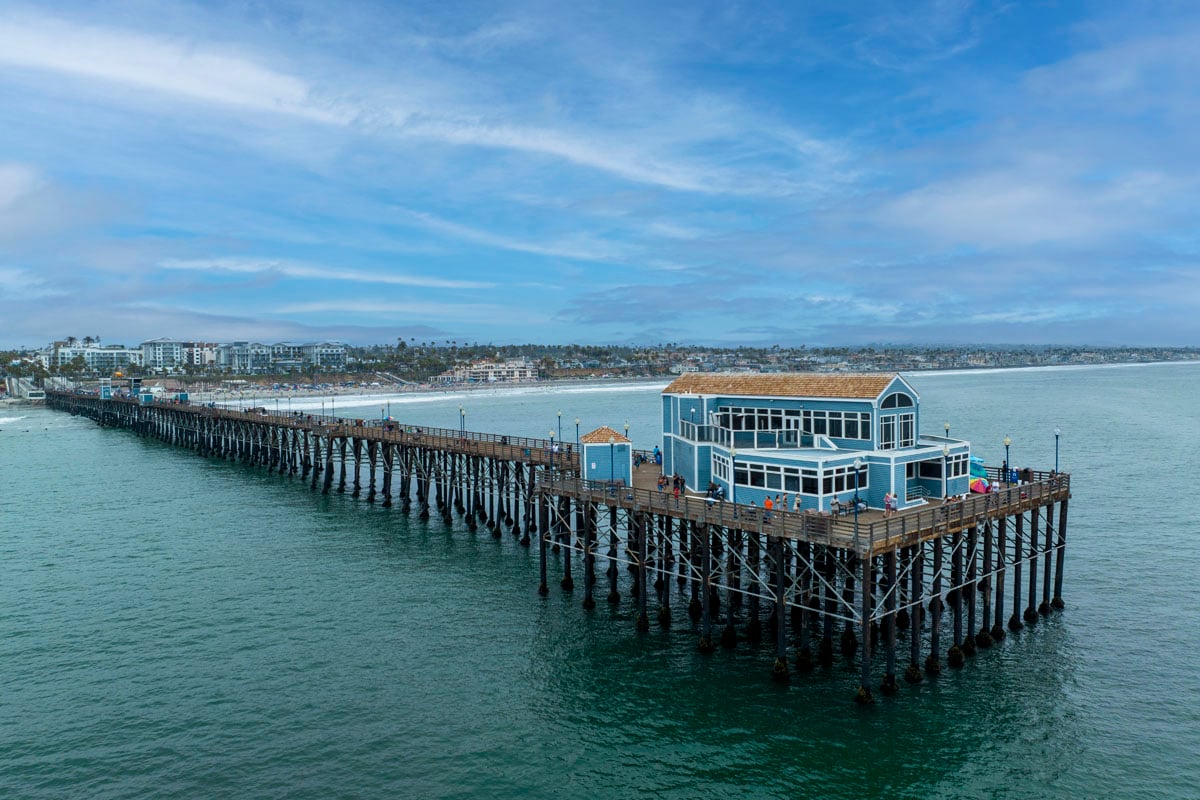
(723,174)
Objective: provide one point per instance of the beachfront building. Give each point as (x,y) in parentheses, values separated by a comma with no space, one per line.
(200,354)
(96,358)
(821,435)
(162,355)
(255,358)
(324,355)
(244,358)
(510,371)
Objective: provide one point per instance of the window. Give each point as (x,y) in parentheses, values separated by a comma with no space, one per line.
(904,424)
(897,400)
(721,468)
(838,424)
(773,477)
(957,465)
(841,479)
(887,432)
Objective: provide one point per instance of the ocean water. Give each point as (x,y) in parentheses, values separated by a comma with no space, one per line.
(174,626)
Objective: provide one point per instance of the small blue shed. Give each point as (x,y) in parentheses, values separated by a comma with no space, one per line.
(607,456)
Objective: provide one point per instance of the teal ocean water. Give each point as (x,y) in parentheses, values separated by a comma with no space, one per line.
(174,626)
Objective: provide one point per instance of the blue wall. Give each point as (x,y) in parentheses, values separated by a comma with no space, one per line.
(601,456)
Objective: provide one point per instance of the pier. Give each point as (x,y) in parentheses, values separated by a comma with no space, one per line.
(903,593)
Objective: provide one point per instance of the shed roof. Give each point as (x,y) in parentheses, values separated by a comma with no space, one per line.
(784,384)
(601,436)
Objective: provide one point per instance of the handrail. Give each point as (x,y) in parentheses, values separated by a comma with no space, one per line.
(905,527)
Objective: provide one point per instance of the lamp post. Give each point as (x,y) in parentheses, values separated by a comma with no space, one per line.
(1056,434)
(611,461)
(1007,463)
(560,425)
(462,424)
(627,434)
(733,478)
(857,467)
(577,434)
(947,427)
(389,409)
(382,416)
(551,452)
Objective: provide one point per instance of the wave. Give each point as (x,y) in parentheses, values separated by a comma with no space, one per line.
(315,402)
(942,373)
(10,420)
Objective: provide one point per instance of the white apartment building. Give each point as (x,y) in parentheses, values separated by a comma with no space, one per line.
(162,355)
(97,358)
(517,369)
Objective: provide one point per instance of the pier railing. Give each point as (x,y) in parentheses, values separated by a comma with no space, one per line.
(870,532)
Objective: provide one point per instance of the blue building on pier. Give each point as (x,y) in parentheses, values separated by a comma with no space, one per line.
(820,435)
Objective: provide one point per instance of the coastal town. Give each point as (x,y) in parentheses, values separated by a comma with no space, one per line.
(414,364)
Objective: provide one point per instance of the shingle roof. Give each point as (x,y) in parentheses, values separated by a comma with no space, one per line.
(601,435)
(783,384)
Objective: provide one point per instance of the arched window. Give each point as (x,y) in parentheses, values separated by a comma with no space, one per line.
(897,400)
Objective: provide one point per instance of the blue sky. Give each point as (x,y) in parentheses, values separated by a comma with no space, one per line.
(709,173)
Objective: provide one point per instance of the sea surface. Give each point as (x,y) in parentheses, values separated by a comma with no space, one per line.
(182,627)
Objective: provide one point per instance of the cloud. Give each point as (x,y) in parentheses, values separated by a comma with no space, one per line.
(36,209)
(913,34)
(580,248)
(423,310)
(293,269)
(160,64)
(16,181)
(240,80)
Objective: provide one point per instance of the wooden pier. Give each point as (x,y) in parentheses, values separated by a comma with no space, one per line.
(797,580)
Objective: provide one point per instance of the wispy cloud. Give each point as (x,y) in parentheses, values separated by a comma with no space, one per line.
(239,79)
(292,269)
(715,173)
(425,311)
(179,67)
(581,248)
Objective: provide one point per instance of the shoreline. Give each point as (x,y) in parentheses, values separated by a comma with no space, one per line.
(253,397)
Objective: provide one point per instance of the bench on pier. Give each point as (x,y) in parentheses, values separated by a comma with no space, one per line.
(847,509)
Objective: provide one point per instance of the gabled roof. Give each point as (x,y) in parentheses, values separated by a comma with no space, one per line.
(601,436)
(864,386)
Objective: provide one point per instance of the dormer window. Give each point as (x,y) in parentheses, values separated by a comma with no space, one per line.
(897,400)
